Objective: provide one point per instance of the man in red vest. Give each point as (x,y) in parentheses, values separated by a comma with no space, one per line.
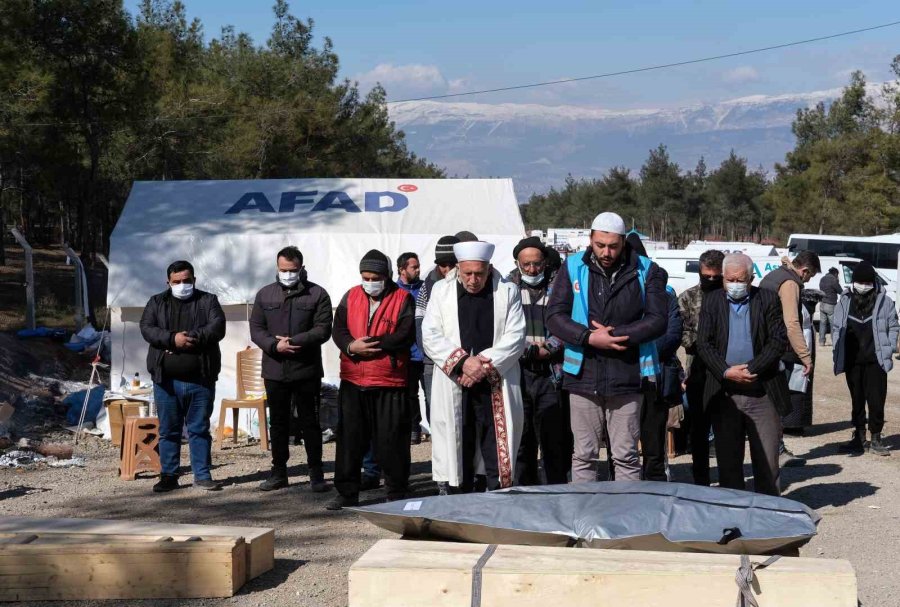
(374,327)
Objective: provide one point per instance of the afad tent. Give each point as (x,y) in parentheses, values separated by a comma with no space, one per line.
(231,231)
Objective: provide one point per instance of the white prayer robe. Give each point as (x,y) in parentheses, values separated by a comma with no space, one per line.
(441,341)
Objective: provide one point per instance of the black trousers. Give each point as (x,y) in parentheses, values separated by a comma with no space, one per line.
(479,435)
(699,421)
(303,396)
(546,426)
(654,418)
(754,419)
(376,417)
(414,379)
(868,386)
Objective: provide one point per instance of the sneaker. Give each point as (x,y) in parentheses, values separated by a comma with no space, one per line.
(208,484)
(787,459)
(317,480)
(274,482)
(443,488)
(855,444)
(167,482)
(415,438)
(342,502)
(369,483)
(877,446)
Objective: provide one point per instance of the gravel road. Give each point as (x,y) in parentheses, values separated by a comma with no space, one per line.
(858,497)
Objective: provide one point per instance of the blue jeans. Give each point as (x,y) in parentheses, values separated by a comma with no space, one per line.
(183,404)
(371,469)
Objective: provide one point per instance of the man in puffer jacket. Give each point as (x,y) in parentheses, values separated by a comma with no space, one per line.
(864,334)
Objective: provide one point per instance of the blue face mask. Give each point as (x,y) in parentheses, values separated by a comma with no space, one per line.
(736,290)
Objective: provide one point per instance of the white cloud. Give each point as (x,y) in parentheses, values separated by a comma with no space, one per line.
(405,80)
(741,75)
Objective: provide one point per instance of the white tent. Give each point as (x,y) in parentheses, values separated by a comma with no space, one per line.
(231,231)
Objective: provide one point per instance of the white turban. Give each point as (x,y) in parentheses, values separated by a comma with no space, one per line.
(609,222)
(473,251)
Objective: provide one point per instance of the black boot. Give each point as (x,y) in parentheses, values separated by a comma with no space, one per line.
(877,446)
(167,482)
(317,480)
(342,502)
(277,480)
(855,444)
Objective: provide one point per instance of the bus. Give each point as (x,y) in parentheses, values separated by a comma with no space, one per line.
(880,251)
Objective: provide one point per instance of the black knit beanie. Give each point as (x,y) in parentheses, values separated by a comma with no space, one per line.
(532,242)
(864,272)
(377,262)
(443,252)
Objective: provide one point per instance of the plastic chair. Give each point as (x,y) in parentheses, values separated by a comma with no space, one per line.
(249,383)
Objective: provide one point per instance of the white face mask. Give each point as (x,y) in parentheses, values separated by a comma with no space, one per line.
(862,289)
(373,287)
(289,279)
(532,281)
(736,290)
(182,291)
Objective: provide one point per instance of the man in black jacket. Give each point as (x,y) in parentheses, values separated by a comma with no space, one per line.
(626,306)
(184,326)
(290,321)
(741,338)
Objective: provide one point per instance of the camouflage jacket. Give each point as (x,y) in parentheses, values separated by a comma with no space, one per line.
(689,306)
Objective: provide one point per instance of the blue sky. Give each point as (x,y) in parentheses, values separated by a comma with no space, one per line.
(427,47)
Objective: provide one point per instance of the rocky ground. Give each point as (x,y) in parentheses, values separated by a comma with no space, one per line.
(858,497)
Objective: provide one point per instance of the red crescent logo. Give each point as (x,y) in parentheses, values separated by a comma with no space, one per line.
(407,187)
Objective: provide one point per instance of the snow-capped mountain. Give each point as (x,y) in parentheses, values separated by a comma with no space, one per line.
(539,145)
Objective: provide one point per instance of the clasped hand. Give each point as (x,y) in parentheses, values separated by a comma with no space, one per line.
(473,371)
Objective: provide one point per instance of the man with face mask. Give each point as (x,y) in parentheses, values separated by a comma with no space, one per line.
(690,303)
(290,321)
(546,420)
(864,334)
(474,330)
(741,338)
(184,326)
(374,327)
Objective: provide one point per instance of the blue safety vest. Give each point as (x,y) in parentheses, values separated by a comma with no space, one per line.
(580,276)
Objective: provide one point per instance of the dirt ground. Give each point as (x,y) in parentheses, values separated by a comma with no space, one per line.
(858,497)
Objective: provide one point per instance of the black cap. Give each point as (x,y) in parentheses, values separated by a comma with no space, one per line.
(443,252)
(377,262)
(532,242)
(864,272)
(465,236)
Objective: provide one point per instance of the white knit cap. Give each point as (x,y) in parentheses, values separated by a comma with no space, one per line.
(609,222)
(473,251)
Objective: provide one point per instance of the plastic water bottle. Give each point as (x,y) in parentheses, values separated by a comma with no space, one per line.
(152,404)
(136,382)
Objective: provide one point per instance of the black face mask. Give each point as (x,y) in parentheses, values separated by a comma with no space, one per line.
(708,283)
